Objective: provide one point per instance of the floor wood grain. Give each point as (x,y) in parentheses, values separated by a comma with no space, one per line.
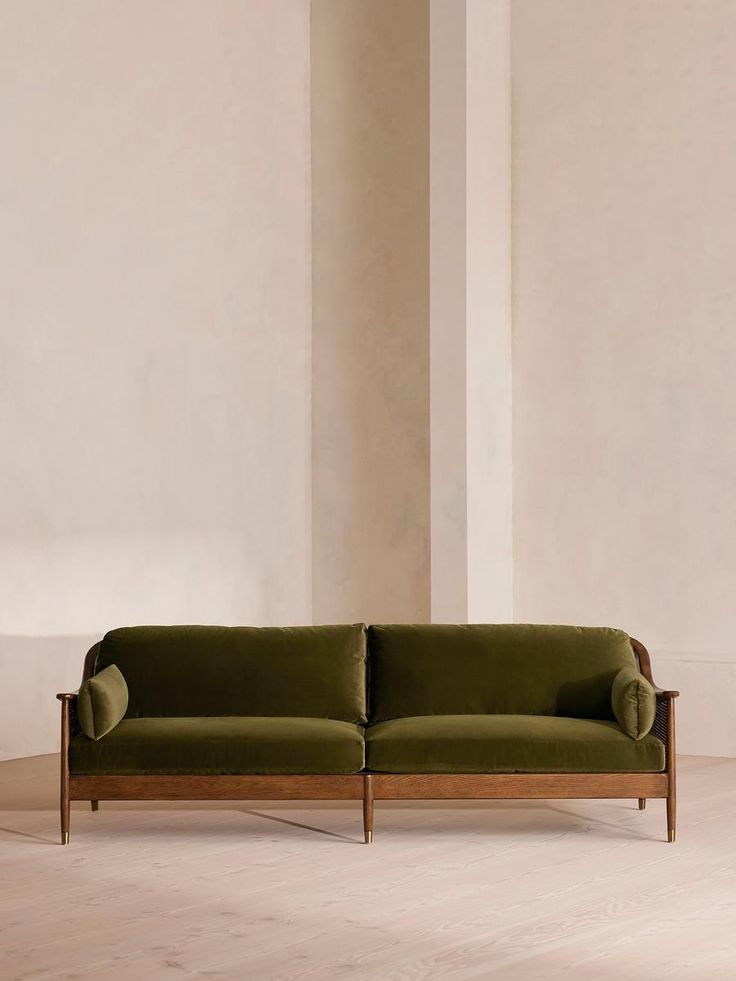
(504,889)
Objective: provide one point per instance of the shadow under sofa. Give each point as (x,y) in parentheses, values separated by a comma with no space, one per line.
(367,713)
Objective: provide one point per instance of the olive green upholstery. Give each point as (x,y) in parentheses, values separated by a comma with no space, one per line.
(504,698)
(634,702)
(509,669)
(507,744)
(102,702)
(231,745)
(314,672)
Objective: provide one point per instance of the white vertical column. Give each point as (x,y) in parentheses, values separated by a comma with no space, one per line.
(470,310)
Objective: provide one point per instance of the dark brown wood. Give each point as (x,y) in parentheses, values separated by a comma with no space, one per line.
(94,805)
(664,729)
(286,787)
(66,698)
(368,807)
(642,803)
(643,659)
(367,787)
(671,772)
(68,717)
(510,786)
(90,661)
(645,667)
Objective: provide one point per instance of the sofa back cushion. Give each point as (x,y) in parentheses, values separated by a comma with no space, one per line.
(515,669)
(311,672)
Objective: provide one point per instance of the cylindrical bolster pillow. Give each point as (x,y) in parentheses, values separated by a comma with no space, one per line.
(633,702)
(102,702)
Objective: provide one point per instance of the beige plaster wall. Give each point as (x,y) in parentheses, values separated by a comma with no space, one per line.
(489,324)
(624,340)
(470,311)
(154,342)
(448,313)
(370,343)
(155,357)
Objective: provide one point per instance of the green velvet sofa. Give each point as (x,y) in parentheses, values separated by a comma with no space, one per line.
(367,713)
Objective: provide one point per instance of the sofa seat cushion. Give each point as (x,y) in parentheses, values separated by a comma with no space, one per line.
(229,745)
(508,744)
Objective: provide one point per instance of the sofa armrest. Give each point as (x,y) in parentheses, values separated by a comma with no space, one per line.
(664,723)
(661,693)
(664,719)
(69,722)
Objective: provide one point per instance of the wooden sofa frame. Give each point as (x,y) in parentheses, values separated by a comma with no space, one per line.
(368,787)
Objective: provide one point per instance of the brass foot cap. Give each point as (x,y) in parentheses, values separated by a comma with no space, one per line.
(65,838)
(670,836)
(642,805)
(368,837)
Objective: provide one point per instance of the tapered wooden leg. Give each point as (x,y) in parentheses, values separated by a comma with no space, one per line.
(95,805)
(65,813)
(368,808)
(671,817)
(671,774)
(642,803)
(64,805)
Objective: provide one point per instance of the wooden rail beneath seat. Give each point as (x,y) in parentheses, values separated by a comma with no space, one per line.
(512,786)
(281,787)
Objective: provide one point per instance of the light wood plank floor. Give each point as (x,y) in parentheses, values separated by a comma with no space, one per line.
(525,890)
